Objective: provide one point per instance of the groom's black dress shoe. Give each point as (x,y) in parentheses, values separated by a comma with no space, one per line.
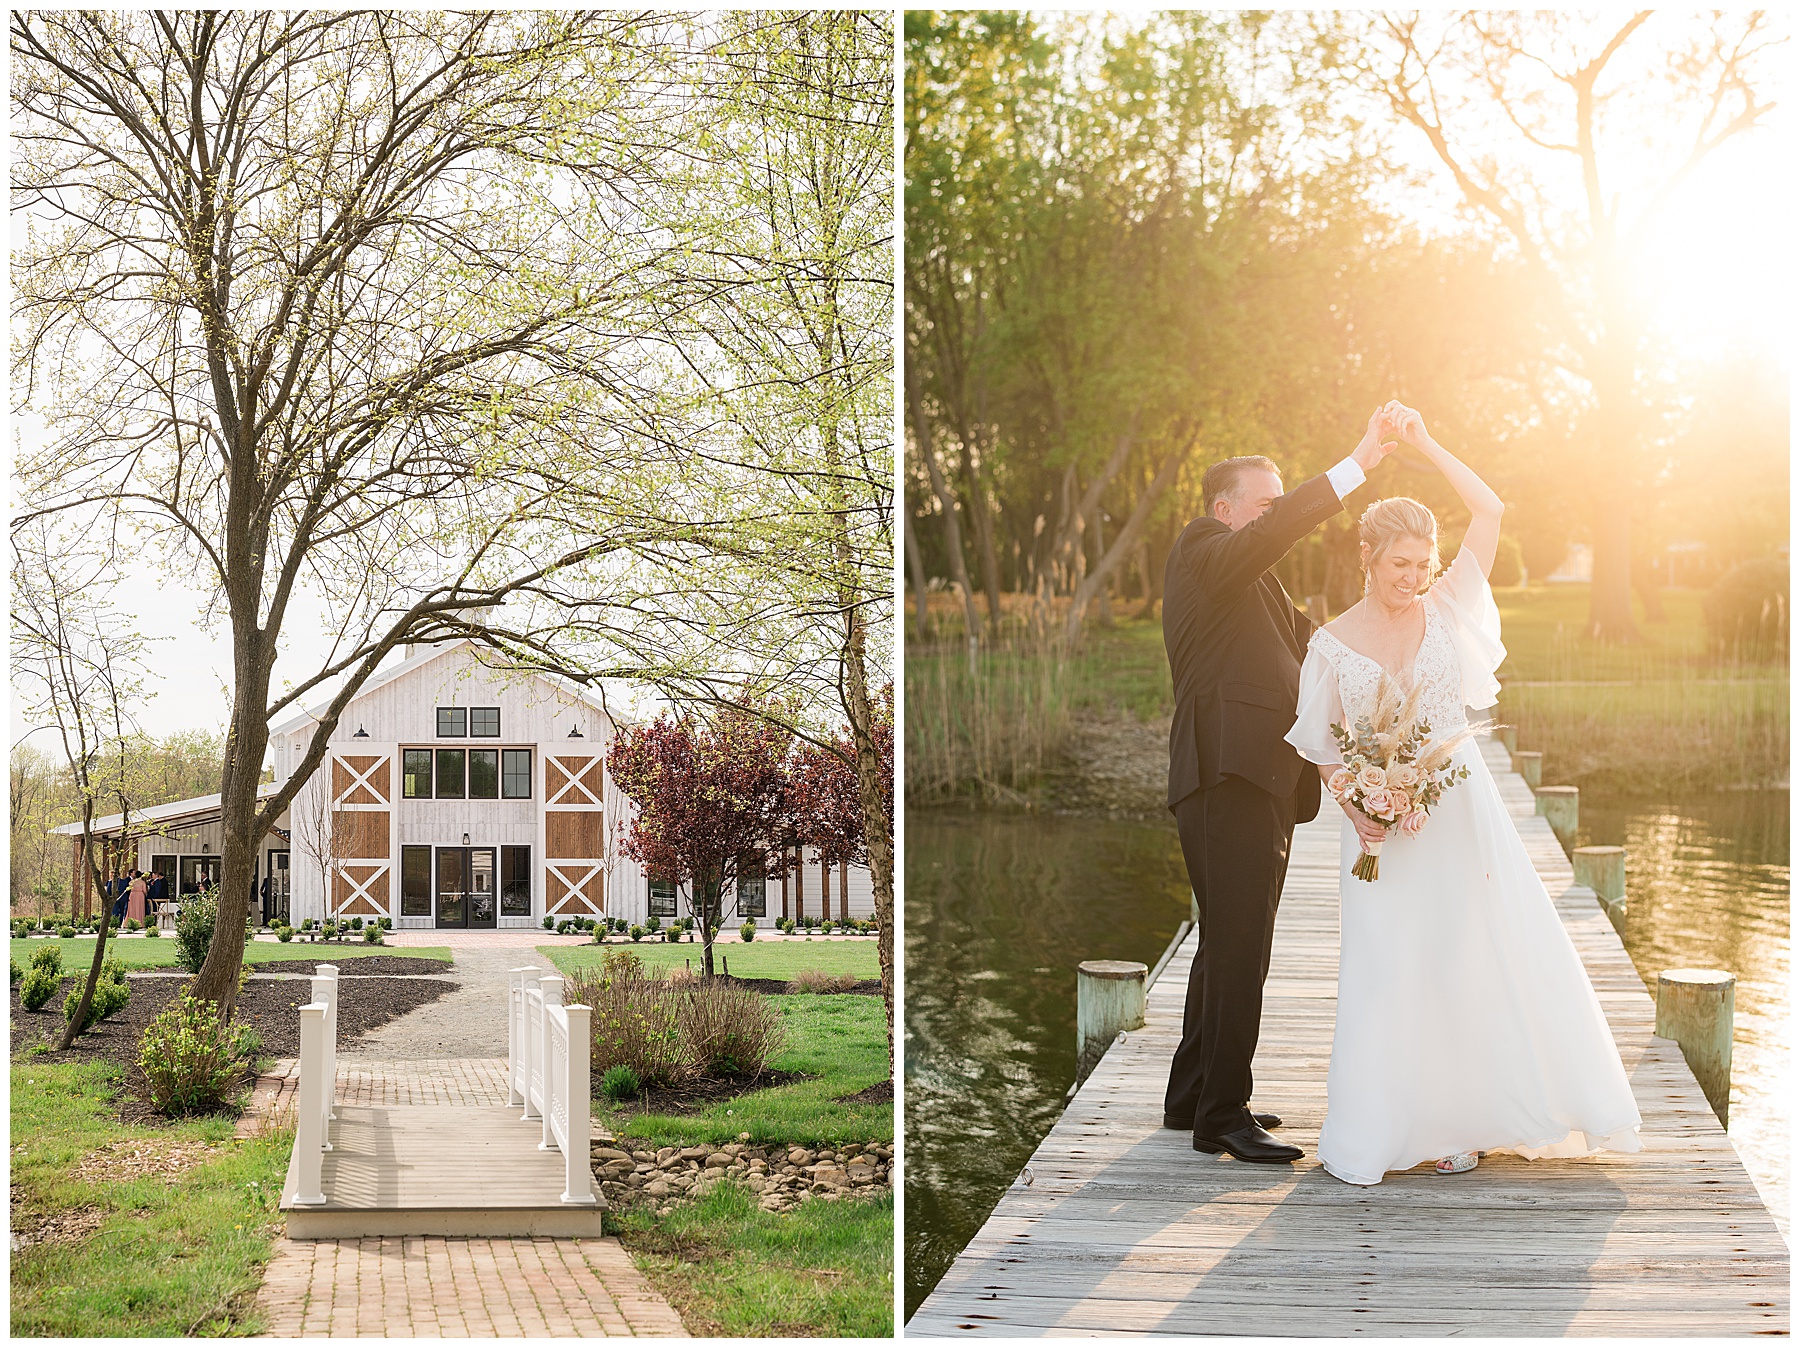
(1181,1125)
(1249,1144)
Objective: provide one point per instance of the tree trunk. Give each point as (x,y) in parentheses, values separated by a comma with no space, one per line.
(1122,545)
(93,977)
(946,500)
(1103,595)
(915,562)
(982,520)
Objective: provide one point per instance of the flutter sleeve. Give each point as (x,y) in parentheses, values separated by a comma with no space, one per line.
(1320,708)
(1465,601)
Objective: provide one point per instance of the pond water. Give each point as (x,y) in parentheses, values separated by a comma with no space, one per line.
(1001,907)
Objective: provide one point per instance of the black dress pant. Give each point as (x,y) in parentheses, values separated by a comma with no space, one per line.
(1235,838)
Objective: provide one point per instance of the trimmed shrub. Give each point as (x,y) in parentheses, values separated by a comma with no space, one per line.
(636,933)
(387,924)
(111,993)
(153,933)
(284,934)
(728,1030)
(620,1082)
(308,924)
(1747,610)
(372,936)
(549,923)
(131,924)
(747,932)
(38,987)
(187,1063)
(825,927)
(194,928)
(356,924)
(653,923)
(67,933)
(48,957)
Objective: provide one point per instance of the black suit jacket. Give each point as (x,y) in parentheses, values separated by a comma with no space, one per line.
(1235,643)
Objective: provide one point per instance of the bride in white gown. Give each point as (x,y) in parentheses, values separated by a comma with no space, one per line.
(1465,1020)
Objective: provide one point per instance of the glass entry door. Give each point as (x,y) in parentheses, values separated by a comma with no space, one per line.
(452,887)
(482,909)
(465,887)
(275,909)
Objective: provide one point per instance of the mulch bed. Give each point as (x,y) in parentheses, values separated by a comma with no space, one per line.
(881,1093)
(695,1096)
(271,1007)
(357,966)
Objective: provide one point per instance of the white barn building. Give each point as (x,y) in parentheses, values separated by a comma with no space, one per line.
(454,795)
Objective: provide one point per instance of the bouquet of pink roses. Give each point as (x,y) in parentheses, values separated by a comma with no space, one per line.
(1393,771)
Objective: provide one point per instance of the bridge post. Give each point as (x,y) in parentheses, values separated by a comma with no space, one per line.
(315,1102)
(1109,999)
(552,985)
(1530,764)
(325,990)
(578,1182)
(1561,806)
(1695,1008)
(529,1029)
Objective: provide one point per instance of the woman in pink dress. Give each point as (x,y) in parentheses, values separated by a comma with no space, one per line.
(140,892)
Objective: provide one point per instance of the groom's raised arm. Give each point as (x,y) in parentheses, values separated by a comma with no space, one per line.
(1224,561)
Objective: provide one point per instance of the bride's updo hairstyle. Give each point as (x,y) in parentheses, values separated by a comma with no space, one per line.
(1386,522)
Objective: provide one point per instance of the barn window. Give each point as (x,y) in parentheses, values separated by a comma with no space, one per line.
(484,774)
(662,897)
(485,721)
(515,882)
(450,774)
(417,774)
(453,722)
(515,774)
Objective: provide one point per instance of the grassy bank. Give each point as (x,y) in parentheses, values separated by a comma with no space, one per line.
(134,1230)
(1660,713)
(762,958)
(826,1269)
(138,953)
(823,1269)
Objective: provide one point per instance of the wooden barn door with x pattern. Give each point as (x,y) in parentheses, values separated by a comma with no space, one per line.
(574,835)
(362,799)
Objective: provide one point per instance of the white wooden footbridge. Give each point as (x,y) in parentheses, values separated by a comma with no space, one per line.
(519,1169)
(1117,1227)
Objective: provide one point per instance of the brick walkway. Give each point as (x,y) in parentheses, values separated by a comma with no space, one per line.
(450,1287)
(437,1286)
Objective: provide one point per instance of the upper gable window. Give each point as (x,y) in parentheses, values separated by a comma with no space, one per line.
(484,721)
(453,722)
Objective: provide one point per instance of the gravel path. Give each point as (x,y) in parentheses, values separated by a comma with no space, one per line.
(467,1022)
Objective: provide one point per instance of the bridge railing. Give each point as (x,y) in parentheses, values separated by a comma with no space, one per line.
(549,1057)
(318,1084)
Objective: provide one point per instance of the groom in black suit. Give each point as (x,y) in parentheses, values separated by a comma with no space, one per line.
(1236,787)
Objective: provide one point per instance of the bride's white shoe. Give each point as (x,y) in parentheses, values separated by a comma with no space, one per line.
(1457,1164)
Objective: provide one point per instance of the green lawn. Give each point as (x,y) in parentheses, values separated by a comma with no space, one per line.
(166,1259)
(825,1269)
(1542,626)
(78,951)
(840,1039)
(752,959)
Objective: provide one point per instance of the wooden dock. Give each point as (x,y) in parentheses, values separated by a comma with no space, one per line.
(438,1170)
(1118,1227)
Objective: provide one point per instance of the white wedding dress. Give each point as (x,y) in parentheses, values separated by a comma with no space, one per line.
(1465,1020)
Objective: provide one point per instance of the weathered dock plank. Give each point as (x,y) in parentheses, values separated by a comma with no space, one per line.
(1117,1227)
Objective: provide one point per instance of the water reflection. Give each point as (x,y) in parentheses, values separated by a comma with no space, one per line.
(1707,885)
(1000,908)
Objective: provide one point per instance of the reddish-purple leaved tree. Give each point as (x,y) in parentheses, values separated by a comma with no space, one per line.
(712,803)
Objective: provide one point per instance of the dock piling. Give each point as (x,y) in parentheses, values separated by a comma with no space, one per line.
(1696,1008)
(1109,999)
(1561,808)
(1602,869)
(1530,765)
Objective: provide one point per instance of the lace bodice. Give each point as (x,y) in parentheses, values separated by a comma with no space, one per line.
(1435,666)
(1456,663)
